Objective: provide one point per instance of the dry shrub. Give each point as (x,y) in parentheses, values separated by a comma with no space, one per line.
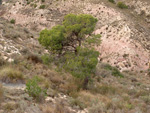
(2,62)
(87,98)
(72,86)
(59,107)
(1,93)
(34,58)
(104,89)
(47,108)
(10,106)
(11,75)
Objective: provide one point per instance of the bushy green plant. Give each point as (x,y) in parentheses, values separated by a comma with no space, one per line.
(34,90)
(70,34)
(94,39)
(47,59)
(42,7)
(52,39)
(122,5)
(114,70)
(13,21)
(33,5)
(112,1)
(82,65)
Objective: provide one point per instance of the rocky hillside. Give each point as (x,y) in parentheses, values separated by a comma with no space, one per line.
(125,33)
(125,44)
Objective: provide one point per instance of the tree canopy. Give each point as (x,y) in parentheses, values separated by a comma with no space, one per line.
(70,34)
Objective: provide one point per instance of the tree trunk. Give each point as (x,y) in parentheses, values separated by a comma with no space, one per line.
(85,83)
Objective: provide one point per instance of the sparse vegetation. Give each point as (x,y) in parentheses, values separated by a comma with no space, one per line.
(114,70)
(69,76)
(34,90)
(47,59)
(42,0)
(10,106)
(105,90)
(13,21)
(122,5)
(2,62)
(77,102)
(11,75)
(112,1)
(42,6)
(1,93)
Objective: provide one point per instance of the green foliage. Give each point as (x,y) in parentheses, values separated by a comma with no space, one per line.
(0,2)
(13,21)
(94,39)
(42,0)
(34,90)
(42,7)
(82,65)
(70,34)
(66,42)
(80,25)
(33,5)
(52,39)
(112,1)
(114,70)
(47,59)
(122,5)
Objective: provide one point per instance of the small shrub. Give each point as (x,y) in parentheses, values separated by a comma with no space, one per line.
(12,75)
(2,62)
(104,90)
(112,1)
(114,70)
(10,106)
(13,21)
(77,102)
(34,58)
(42,7)
(146,99)
(34,90)
(42,0)
(98,108)
(122,5)
(47,59)
(129,106)
(35,5)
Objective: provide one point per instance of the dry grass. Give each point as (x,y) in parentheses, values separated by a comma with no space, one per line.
(59,107)
(72,86)
(10,106)
(47,108)
(1,93)
(11,75)
(104,90)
